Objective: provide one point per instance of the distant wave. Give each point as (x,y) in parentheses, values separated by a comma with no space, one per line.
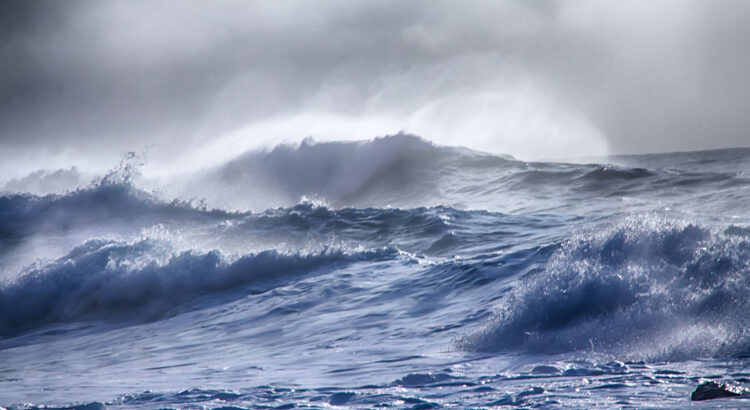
(397,170)
(110,280)
(646,288)
(111,207)
(403,171)
(407,171)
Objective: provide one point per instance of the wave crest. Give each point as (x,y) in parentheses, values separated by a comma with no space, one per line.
(109,280)
(646,289)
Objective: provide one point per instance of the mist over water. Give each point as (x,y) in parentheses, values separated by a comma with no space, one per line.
(194,85)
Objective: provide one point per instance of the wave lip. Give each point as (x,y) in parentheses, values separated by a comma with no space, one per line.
(647,288)
(109,280)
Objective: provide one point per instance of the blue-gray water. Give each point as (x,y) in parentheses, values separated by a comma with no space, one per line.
(390,273)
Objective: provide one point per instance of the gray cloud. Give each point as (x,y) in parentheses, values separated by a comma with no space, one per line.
(535,78)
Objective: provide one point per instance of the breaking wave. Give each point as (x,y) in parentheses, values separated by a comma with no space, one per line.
(407,171)
(646,288)
(24,214)
(392,170)
(108,280)
(402,170)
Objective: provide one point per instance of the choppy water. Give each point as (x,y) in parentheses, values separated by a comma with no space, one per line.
(389,273)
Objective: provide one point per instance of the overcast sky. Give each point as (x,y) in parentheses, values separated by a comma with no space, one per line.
(83,81)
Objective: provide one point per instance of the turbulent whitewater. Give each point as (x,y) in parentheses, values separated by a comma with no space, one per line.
(384,273)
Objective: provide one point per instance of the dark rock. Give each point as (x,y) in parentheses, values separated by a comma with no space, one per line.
(339,399)
(715,390)
(544,369)
(423,379)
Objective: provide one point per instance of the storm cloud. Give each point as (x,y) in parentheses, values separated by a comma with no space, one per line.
(535,79)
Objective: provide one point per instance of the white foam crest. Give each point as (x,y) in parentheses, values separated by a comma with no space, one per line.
(142,280)
(647,288)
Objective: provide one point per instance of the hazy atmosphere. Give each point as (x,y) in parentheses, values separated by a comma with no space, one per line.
(535,79)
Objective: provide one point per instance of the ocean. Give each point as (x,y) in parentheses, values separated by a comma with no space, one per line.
(386,273)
